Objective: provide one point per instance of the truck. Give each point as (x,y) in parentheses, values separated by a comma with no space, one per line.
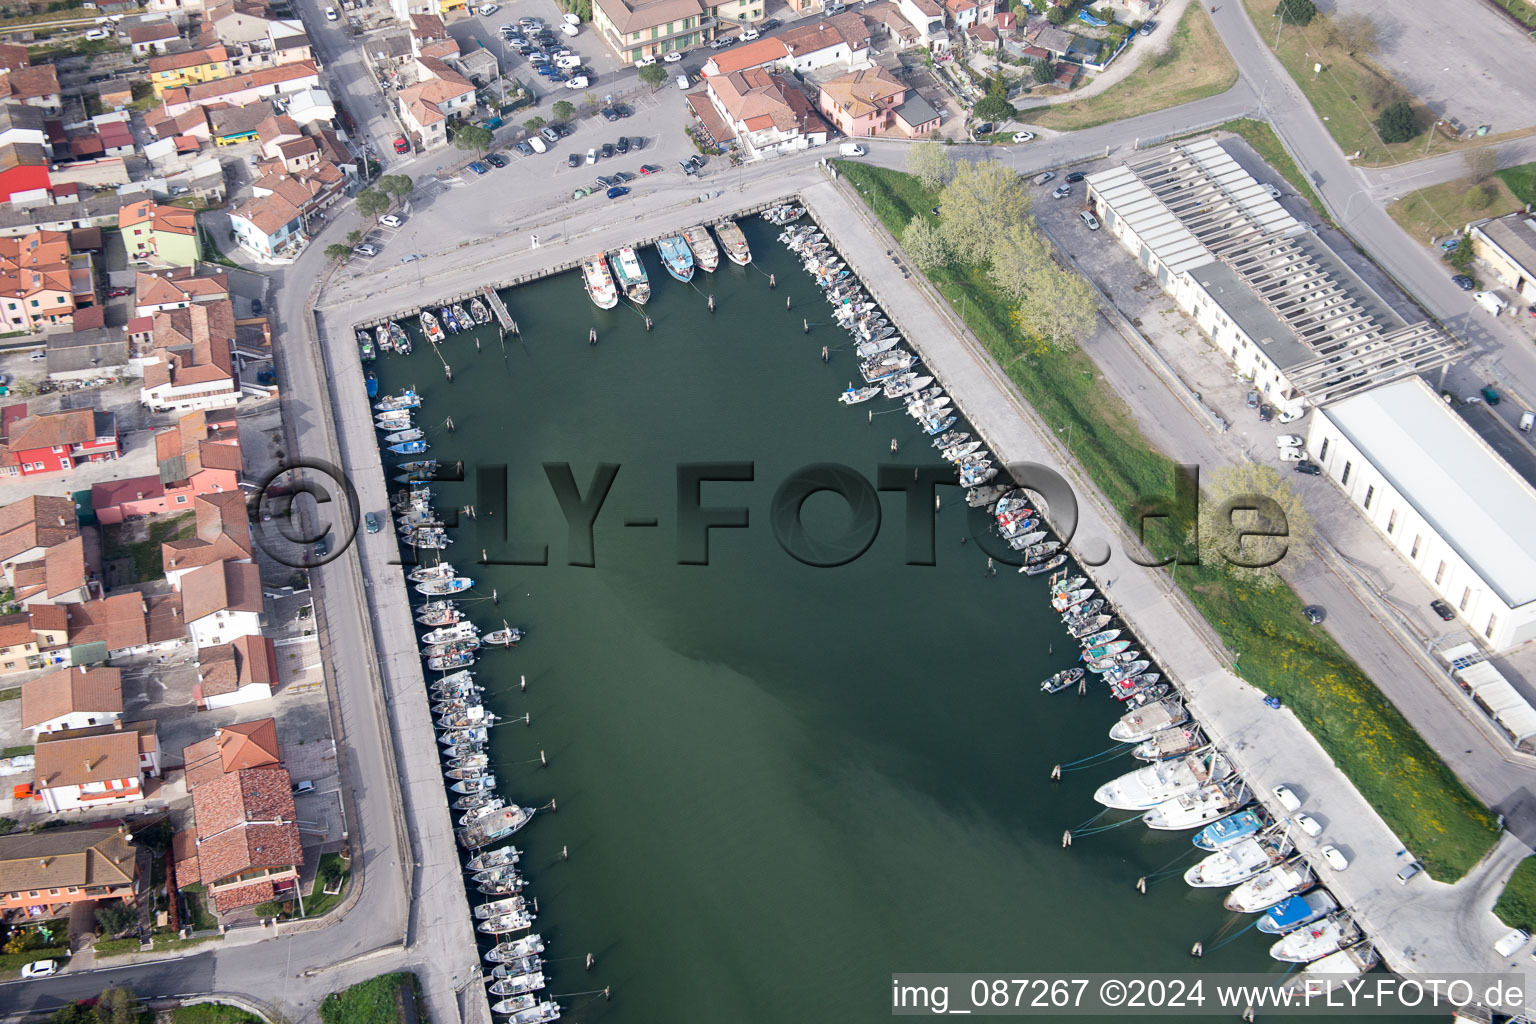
(1491,302)
(851,149)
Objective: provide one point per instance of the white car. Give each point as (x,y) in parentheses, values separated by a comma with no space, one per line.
(97,33)
(569,29)
(1089,219)
(490,8)
(1274,193)
(1290,801)
(673,57)
(390,220)
(1290,441)
(1023,136)
(570,19)
(1505,946)
(748,35)
(1308,824)
(579,82)
(1292,454)
(1335,859)
(40,969)
(568,60)
(366,249)
(645,62)
(591,156)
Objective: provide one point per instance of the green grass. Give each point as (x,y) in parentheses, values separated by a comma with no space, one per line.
(199,919)
(117,947)
(1521,180)
(212,1013)
(1260,136)
(1195,65)
(13,693)
(16,961)
(1517,903)
(1522,11)
(374,1001)
(1444,209)
(1278,651)
(163,943)
(17,751)
(146,553)
(321,902)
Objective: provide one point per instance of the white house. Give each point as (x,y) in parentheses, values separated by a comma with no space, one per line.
(927,17)
(839,41)
(72,698)
(235,673)
(1442,498)
(88,771)
(221,601)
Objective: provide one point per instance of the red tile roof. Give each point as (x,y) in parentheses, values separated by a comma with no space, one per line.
(69,690)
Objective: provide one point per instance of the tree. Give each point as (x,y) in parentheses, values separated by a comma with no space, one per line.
(928,162)
(1056,16)
(355,237)
(980,200)
(337,252)
(1253,499)
(1061,307)
(397,185)
(1462,255)
(1355,33)
(1043,70)
(1297,12)
(924,242)
(115,918)
(472,136)
(372,203)
(532,125)
(117,1006)
(1397,123)
(994,108)
(563,109)
(653,75)
(1481,163)
(1479,197)
(1020,260)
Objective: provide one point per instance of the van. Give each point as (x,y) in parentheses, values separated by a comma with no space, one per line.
(1511,942)
(538,144)
(1491,302)
(1527,420)
(851,149)
(682,81)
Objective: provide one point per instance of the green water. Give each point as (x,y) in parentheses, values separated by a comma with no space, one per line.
(778,784)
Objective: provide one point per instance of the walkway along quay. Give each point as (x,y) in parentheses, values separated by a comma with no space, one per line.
(1410,937)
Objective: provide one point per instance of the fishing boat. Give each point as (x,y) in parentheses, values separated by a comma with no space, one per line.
(1091,623)
(1038,568)
(1296,911)
(518,984)
(1156,783)
(451,659)
(449,633)
(493,859)
(504,637)
(419,519)
(1334,970)
(905,384)
(399,339)
(504,883)
(705,254)
(501,924)
(464,737)
(426,573)
(500,825)
(427,538)
(478,312)
(463,317)
(1124,673)
(954,437)
(1102,637)
(981,497)
(1237,862)
(495,907)
(1071,599)
(887,364)
(1149,695)
(450,322)
(599,282)
(1061,680)
(543,1013)
(938,424)
(1077,617)
(1317,940)
(479,784)
(419,469)
(371,383)
(408,448)
(734,242)
(430,327)
(853,396)
(482,802)
(438,588)
(1168,744)
(630,273)
(1034,554)
(382,338)
(1191,810)
(868,349)
(1135,726)
(399,436)
(365,350)
(960,451)
(784,214)
(395,419)
(676,257)
(407,399)
(970,476)
(469,763)
(508,952)
(1232,828)
(1133,685)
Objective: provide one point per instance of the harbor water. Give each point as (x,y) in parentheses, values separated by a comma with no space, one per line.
(777,784)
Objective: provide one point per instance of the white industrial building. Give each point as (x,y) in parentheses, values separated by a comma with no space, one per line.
(1449,504)
(1291,317)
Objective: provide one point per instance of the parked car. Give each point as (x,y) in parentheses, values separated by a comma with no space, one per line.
(1292,455)
(1464,282)
(609,114)
(1442,609)
(650,169)
(1073,177)
(1253,399)
(1148,27)
(371,523)
(1315,614)
(645,62)
(1410,869)
(1490,396)
(1289,441)
(984,128)
(490,9)
(1043,177)
(591,156)
(1023,136)
(1334,857)
(412,258)
(622,145)
(673,57)
(579,82)
(391,220)
(1308,824)
(526,150)
(1274,193)
(40,969)
(1062,191)
(618,191)
(1265,413)
(1308,467)
(478,167)
(606,182)
(1287,798)
(720,44)
(623,177)
(496,160)
(1089,219)
(770,25)
(1512,942)
(550,133)
(607,151)
(581,193)
(401,146)
(574,160)
(366,249)
(117,293)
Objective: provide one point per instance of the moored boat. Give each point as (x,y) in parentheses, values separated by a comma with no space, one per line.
(478,312)
(1161,781)
(1168,744)
(438,613)
(853,396)
(1292,913)
(1037,568)
(424,573)
(493,859)
(399,339)
(1236,863)
(438,588)
(430,327)
(504,637)
(1196,808)
(503,823)
(676,257)
(596,278)
(630,274)
(1232,828)
(1335,969)
(734,242)
(1061,680)
(1317,940)
(450,322)
(462,317)
(505,952)
(705,253)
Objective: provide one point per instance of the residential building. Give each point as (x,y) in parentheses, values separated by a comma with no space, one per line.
(766,112)
(841,40)
(88,771)
(439,94)
(163,234)
(189,67)
(888,18)
(34,86)
(862,102)
(59,576)
(222,601)
(124,624)
(155,37)
(1059,43)
(43,873)
(235,673)
(739,12)
(238,90)
(927,19)
(23,171)
(193,365)
(54,442)
(232,748)
(30,526)
(636,29)
(963,14)
(1508,246)
(1291,316)
(1441,496)
(760,53)
(71,698)
(83,354)
(198,457)
(223,534)
(275,221)
(33,639)
(21,123)
(247,848)
(916,116)
(35,285)
(176,288)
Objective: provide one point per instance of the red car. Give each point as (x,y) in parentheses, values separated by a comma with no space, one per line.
(401,146)
(117,293)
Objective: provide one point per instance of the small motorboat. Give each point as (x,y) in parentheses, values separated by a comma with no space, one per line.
(425,573)
(430,326)
(1035,570)
(438,613)
(1062,680)
(518,984)
(504,637)
(437,588)
(853,396)
(449,323)
(407,399)
(478,312)
(447,634)
(402,436)
(409,447)
(508,952)
(494,859)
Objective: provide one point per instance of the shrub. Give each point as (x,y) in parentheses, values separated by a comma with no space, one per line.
(1297,12)
(1397,123)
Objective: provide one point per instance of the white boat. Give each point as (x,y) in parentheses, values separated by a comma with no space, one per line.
(517,984)
(1169,743)
(1191,810)
(867,349)
(960,451)
(504,923)
(1288,915)
(1138,725)
(596,278)
(426,573)
(1317,940)
(495,907)
(439,588)
(705,254)
(1236,863)
(734,242)
(1156,783)
(630,273)
(1335,969)
(853,396)
(492,859)
(541,1014)
(403,436)
(528,945)
(447,634)
(1268,888)
(502,824)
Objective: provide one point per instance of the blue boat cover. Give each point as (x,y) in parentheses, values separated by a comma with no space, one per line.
(1290,913)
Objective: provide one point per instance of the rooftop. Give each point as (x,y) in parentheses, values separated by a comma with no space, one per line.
(87,759)
(69,690)
(59,858)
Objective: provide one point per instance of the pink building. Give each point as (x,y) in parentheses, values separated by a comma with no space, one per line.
(862,102)
(200,455)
